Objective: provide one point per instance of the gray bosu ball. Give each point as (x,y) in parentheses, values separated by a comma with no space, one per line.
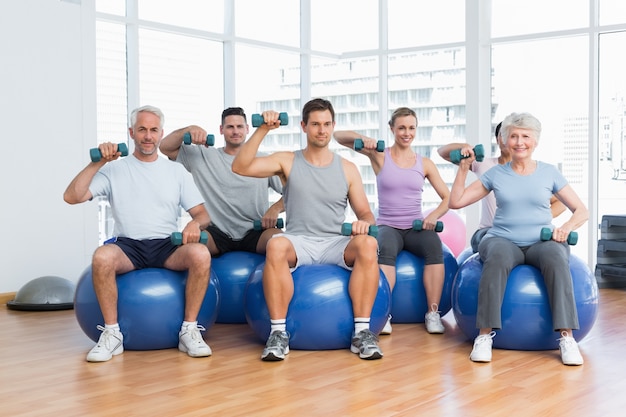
(45,293)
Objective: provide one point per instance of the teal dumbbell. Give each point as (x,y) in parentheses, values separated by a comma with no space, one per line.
(358,145)
(418,225)
(177,238)
(96,155)
(210,139)
(546,234)
(479,151)
(346,230)
(258,226)
(257,119)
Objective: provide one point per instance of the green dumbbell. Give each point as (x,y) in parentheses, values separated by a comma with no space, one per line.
(177,238)
(258,226)
(346,230)
(210,139)
(257,119)
(96,155)
(418,225)
(358,145)
(546,234)
(479,151)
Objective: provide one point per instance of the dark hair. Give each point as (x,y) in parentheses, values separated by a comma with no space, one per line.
(233,111)
(499,125)
(317,104)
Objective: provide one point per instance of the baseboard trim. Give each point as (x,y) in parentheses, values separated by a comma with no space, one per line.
(5,297)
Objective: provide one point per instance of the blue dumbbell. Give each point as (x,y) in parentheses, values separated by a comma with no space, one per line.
(177,238)
(96,155)
(257,119)
(358,145)
(210,139)
(258,226)
(546,234)
(346,230)
(418,225)
(479,151)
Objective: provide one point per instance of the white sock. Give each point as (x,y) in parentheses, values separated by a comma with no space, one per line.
(115,327)
(361,323)
(189,323)
(280,325)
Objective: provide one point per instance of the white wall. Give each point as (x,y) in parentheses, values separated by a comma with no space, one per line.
(47,114)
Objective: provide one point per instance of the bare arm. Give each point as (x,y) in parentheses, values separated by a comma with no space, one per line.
(459,195)
(580,214)
(271,215)
(358,200)
(347,138)
(445,150)
(171,143)
(248,163)
(78,189)
(199,221)
(432,173)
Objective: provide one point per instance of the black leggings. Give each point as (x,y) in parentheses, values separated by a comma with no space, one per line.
(423,243)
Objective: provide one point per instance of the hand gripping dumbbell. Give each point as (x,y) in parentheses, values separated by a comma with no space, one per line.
(346,230)
(546,234)
(359,144)
(210,139)
(96,155)
(257,119)
(479,151)
(177,238)
(259,226)
(419,225)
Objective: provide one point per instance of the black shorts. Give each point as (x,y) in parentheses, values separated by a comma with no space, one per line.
(149,253)
(225,243)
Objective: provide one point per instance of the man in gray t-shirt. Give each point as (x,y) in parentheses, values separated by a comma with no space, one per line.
(241,218)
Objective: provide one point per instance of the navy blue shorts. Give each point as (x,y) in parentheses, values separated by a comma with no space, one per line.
(149,253)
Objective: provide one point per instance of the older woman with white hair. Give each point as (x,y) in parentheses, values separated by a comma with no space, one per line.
(523,188)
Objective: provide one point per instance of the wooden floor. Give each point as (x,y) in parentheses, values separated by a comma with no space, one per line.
(44,373)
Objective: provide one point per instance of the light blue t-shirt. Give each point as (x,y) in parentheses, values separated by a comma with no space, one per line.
(145,197)
(523,201)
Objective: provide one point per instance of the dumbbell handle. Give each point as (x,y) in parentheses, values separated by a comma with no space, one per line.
(359,144)
(177,238)
(96,155)
(546,234)
(346,230)
(257,119)
(418,225)
(479,152)
(210,139)
(258,225)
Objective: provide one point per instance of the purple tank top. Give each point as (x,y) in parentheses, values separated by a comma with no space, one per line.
(400,193)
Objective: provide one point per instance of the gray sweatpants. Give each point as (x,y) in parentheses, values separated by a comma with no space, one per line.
(500,256)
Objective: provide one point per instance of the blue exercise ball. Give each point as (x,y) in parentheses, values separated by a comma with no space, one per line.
(408,300)
(464,256)
(320,314)
(526,313)
(151,305)
(233,270)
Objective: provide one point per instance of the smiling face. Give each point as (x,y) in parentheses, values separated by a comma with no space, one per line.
(404,129)
(147,134)
(520,143)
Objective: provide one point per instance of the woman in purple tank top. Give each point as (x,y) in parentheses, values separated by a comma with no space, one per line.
(400,176)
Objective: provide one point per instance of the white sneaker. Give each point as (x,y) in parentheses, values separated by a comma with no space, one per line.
(570,355)
(482,348)
(387,328)
(110,343)
(433,321)
(190,341)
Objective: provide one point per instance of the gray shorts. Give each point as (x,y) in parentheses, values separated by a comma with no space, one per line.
(318,250)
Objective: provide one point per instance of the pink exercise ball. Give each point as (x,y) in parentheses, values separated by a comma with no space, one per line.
(453,234)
